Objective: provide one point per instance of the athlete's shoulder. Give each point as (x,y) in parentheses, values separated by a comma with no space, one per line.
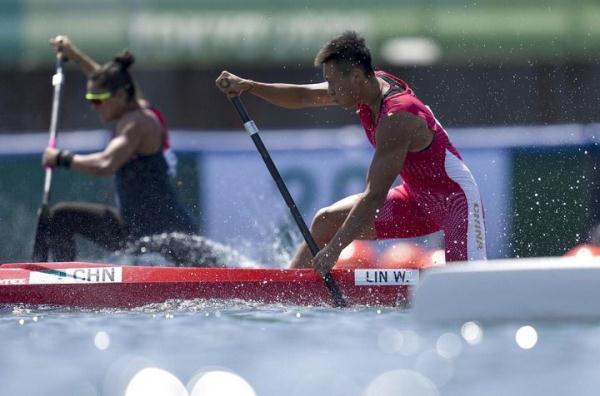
(400,102)
(137,121)
(389,76)
(402,120)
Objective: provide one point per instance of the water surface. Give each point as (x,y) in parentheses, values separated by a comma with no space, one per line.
(289,350)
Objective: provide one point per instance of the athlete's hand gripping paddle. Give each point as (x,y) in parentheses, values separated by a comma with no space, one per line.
(40,245)
(252,129)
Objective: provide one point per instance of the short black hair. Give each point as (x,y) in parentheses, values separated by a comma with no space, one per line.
(348,49)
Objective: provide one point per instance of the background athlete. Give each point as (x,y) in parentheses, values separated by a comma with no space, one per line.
(135,156)
(438,190)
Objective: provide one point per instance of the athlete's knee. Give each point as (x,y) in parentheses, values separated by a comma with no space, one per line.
(60,211)
(64,219)
(326,222)
(58,216)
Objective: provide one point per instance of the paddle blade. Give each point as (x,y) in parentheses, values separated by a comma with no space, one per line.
(40,245)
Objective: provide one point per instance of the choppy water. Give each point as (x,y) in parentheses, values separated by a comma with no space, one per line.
(182,250)
(213,347)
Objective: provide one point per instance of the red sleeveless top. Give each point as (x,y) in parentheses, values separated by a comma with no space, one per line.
(423,170)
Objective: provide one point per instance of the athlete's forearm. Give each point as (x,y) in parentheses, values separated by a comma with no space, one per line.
(96,164)
(87,64)
(291,96)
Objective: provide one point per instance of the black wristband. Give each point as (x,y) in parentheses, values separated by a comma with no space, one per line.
(64,159)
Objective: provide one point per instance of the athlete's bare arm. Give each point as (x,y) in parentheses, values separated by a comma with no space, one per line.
(291,96)
(120,149)
(132,133)
(63,44)
(395,136)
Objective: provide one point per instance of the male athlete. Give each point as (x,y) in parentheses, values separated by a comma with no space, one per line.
(438,190)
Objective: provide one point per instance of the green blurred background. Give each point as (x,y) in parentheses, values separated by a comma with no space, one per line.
(204,32)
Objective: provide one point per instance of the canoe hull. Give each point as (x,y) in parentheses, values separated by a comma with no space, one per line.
(106,286)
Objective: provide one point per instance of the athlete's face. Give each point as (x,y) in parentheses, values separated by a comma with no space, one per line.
(344,85)
(109,108)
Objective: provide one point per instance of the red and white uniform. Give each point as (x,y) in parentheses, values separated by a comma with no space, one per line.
(438,190)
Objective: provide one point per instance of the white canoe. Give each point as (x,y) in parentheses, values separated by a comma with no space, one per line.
(519,289)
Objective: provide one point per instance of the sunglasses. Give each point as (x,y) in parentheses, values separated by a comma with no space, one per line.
(97,98)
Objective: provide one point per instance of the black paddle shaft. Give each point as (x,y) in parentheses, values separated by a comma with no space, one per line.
(252,129)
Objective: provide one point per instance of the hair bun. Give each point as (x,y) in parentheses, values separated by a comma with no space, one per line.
(124,59)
